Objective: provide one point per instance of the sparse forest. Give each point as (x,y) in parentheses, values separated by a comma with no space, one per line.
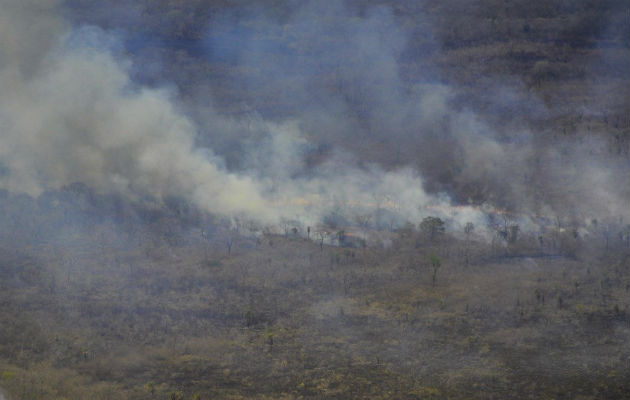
(155,305)
(509,280)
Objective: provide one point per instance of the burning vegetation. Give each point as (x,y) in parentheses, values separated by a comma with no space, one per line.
(344,199)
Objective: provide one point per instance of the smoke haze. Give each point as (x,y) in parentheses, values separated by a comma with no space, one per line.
(328,122)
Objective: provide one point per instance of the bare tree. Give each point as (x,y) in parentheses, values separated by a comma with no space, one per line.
(228,244)
(322,234)
(206,239)
(362,220)
(436,263)
(468,230)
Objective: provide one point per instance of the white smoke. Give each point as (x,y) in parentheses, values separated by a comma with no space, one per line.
(70,113)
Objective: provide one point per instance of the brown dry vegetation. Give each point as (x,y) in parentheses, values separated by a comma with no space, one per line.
(112,315)
(97,304)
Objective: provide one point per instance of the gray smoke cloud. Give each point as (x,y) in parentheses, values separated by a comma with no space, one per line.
(325,75)
(71,114)
(74,115)
(347,74)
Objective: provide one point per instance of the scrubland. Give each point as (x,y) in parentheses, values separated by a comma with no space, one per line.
(105,311)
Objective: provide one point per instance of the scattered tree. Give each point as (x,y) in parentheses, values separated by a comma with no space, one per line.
(228,244)
(432,227)
(436,263)
(468,229)
(322,235)
(341,236)
(177,395)
(150,387)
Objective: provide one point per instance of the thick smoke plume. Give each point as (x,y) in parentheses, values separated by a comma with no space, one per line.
(347,74)
(70,112)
